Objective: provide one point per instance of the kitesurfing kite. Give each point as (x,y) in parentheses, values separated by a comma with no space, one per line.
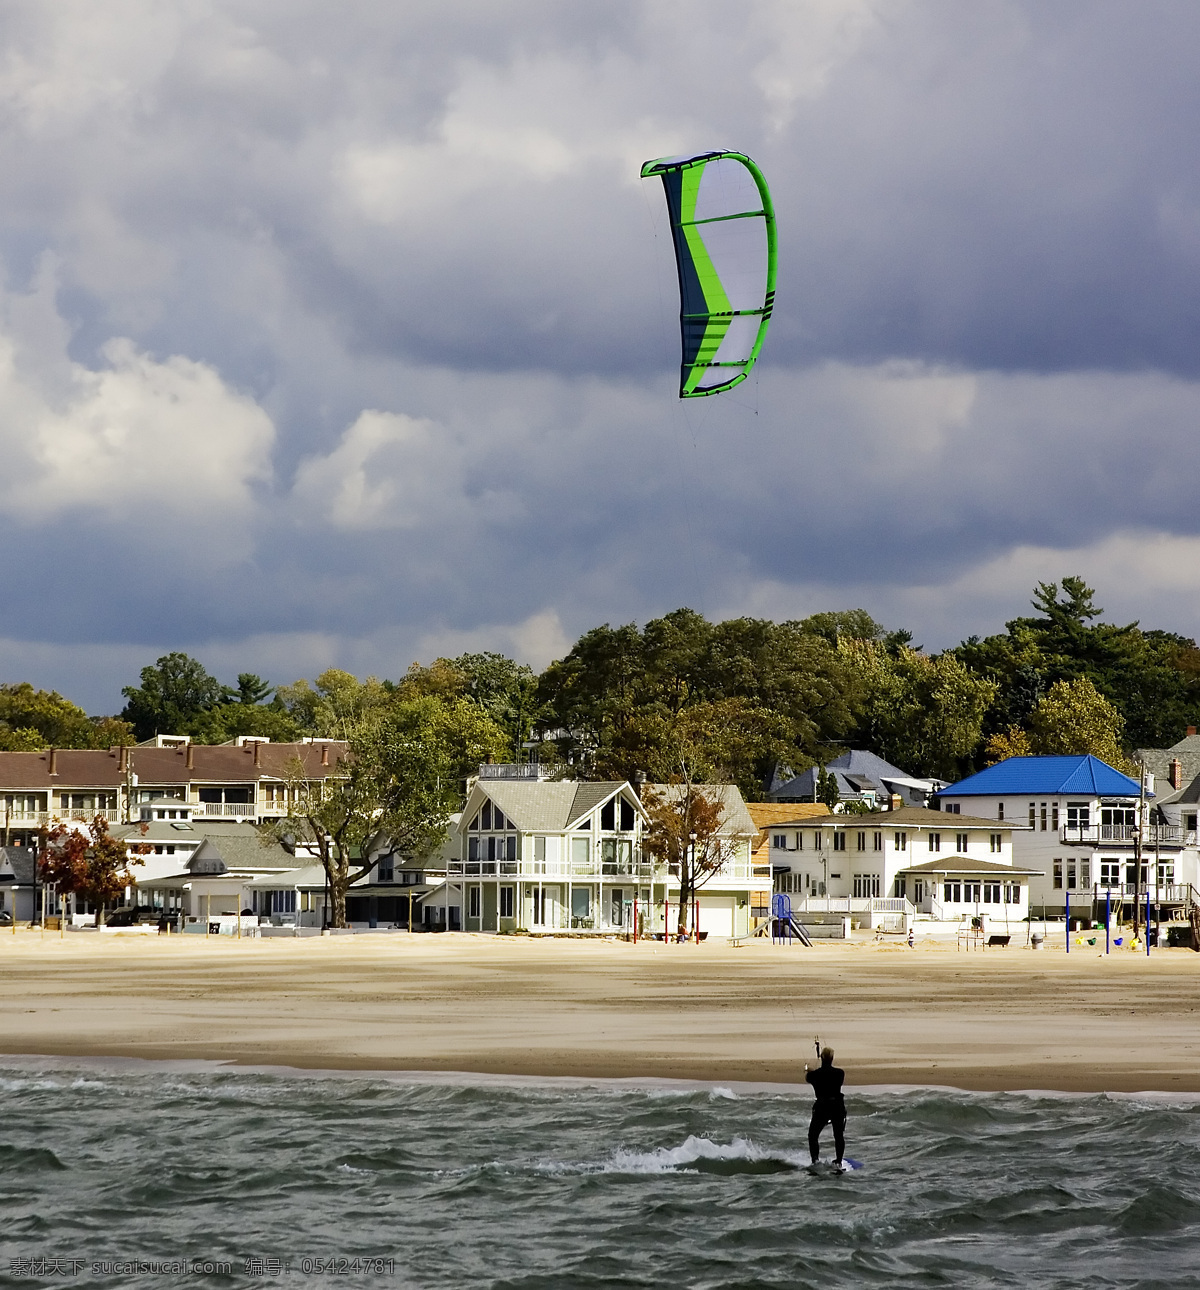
(724,230)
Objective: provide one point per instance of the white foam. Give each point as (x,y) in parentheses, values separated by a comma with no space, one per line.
(690,1152)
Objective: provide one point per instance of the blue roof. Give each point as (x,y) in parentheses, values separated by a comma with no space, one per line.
(1083,774)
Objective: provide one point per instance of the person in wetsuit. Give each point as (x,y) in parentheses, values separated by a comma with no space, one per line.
(829,1107)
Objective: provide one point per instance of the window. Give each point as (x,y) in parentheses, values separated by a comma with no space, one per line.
(818,842)
(999,810)
(862,841)
(387,868)
(1166,873)
(581,852)
(1189,822)
(779,841)
(1078,815)
(506,901)
(1043,817)
(954,808)
(901,841)
(899,887)
(878,841)
(608,815)
(953,894)
(1058,875)
(961,841)
(1033,815)
(991,893)
(935,842)
(971,892)
(628,816)
(485,816)
(539,855)
(1070,875)
(472,902)
(918,890)
(1110,873)
(995,842)
(866,885)
(1012,893)
(1054,816)
(839,841)
(472,850)
(1085,873)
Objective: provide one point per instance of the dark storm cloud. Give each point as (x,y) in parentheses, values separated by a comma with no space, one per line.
(344,335)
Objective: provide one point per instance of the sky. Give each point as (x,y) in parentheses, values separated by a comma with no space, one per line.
(346,335)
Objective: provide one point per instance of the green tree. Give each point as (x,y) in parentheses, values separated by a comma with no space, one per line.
(252,689)
(827,789)
(335,705)
(175,695)
(1075,717)
(922,713)
(396,788)
(34,719)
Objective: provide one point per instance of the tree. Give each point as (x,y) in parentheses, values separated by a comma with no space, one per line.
(1013,742)
(683,835)
(920,713)
(827,789)
(176,693)
(335,705)
(395,789)
(90,864)
(252,689)
(31,720)
(1075,717)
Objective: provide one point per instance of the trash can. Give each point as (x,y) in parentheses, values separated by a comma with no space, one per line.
(1036,940)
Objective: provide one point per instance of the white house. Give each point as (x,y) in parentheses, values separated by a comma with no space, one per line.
(1080,829)
(888,867)
(558,856)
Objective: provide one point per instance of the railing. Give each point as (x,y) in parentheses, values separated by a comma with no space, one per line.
(1167,893)
(1171,834)
(562,869)
(82,813)
(852,905)
(224,808)
(27,817)
(509,770)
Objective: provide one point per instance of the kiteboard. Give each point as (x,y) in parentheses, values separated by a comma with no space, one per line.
(828,1168)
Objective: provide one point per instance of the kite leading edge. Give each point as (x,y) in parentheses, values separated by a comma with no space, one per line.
(723,225)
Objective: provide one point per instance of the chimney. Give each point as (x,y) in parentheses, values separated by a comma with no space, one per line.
(1191,730)
(1175,773)
(639,782)
(324,754)
(897,802)
(190,758)
(53,761)
(257,753)
(123,758)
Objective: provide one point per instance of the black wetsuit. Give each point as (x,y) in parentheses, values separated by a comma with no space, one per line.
(829,1108)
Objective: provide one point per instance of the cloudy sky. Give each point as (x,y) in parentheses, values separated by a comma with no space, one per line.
(346,334)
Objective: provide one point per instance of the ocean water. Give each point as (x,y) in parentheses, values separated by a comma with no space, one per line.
(143,1176)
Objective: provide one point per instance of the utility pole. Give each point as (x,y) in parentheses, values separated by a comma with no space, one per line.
(1137,846)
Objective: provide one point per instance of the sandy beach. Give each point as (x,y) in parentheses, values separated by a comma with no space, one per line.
(999,1019)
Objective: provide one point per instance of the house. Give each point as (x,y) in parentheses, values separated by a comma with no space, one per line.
(214,878)
(248,779)
(18,884)
(890,869)
(862,777)
(1172,768)
(1082,831)
(558,856)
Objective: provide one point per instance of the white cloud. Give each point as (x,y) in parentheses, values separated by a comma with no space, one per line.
(160,440)
(388,471)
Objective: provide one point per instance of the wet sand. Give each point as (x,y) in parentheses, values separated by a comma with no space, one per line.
(997,1019)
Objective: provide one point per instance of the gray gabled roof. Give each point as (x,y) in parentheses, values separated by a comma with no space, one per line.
(735,818)
(17,866)
(545,806)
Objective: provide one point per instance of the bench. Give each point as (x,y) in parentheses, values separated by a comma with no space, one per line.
(998,940)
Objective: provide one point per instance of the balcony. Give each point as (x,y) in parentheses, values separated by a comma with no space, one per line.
(81,813)
(210,810)
(1152,834)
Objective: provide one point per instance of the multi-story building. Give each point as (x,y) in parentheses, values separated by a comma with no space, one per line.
(888,869)
(248,780)
(547,856)
(1084,826)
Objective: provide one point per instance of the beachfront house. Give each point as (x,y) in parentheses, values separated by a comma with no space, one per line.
(1084,825)
(894,869)
(561,856)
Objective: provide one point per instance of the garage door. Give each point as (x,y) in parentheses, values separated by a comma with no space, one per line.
(716,916)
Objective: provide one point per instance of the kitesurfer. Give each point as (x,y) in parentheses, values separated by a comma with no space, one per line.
(829,1107)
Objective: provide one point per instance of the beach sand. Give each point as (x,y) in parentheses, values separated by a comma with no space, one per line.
(996,1019)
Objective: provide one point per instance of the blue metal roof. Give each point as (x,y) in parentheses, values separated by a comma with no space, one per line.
(1082,774)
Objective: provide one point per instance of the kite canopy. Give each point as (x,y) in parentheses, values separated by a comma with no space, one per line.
(724,230)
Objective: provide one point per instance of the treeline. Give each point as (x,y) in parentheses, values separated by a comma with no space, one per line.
(739,699)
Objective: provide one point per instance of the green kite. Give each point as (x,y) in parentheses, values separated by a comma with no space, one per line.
(723,224)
